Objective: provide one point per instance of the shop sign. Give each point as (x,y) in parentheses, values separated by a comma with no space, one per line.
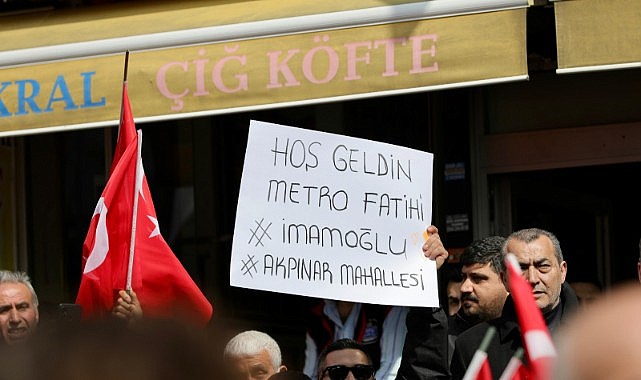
(267,72)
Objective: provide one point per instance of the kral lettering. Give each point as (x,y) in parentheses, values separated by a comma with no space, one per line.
(32,97)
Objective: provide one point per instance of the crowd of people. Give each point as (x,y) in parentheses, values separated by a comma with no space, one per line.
(347,340)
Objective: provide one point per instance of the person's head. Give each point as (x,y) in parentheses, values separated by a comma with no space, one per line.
(18,306)
(253,355)
(450,282)
(602,343)
(483,291)
(453,296)
(541,259)
(345,359)
(587,291)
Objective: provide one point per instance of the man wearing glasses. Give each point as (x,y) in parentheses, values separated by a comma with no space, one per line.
(345,359)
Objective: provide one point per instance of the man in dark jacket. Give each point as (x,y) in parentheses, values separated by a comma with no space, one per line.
(482,296)
(541,259)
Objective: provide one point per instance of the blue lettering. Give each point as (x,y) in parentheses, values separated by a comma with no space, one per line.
(4,112)
(24,100)
(65,95)
(87,91)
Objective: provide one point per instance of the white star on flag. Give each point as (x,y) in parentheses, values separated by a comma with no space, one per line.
(156,230)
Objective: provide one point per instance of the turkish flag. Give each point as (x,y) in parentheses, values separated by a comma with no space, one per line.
(515,369)
(537,342)
(163,286)
(479,368)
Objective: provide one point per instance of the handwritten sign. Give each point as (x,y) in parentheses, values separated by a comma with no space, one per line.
(331,216)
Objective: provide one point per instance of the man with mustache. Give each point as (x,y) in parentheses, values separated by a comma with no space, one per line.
(18,307)
(426,355)
(541,259)
(483,291)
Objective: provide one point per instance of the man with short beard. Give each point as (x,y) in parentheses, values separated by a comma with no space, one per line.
(18,307)
(483,293)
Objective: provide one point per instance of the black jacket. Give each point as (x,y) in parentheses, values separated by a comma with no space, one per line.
(508,335)
(425,352)
(425,349)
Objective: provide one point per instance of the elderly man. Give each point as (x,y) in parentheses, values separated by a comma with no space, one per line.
(541,259)
(343,357)
(252,355)
(18,307)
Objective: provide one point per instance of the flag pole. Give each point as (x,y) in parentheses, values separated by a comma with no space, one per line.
(126,65)
(124,85)
(134,214)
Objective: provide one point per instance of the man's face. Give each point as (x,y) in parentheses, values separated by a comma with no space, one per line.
(453,297)
(18,316)
(348,357)
(482,292)
(252,367)
(541,269)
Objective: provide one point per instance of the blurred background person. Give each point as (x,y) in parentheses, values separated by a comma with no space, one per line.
(342,358)
(450,277)
(603,343)
(380,329)
(252,355)
(587,291)
(19,315)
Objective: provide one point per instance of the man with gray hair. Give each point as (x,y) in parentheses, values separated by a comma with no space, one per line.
(18,307)
(252,355)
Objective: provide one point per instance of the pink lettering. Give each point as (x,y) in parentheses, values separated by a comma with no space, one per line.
(217,72)
(200,74)
(276,67)
(161,83)
(332,62)
(418,52)
(390,62)
(352,59)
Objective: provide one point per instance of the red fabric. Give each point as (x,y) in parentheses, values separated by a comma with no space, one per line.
(479,368)
(537,342)
(521,374)
(485,372)
(515,370)
(163,286)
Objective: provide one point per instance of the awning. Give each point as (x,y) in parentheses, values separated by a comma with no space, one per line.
(598,35)
(64,70)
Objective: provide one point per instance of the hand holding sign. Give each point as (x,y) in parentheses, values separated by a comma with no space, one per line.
(433,247)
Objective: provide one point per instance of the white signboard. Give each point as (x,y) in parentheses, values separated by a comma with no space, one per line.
(332,216)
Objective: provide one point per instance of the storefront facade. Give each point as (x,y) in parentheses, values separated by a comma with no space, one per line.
(524,130)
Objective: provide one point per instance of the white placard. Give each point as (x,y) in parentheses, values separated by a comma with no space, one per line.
(331,216)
